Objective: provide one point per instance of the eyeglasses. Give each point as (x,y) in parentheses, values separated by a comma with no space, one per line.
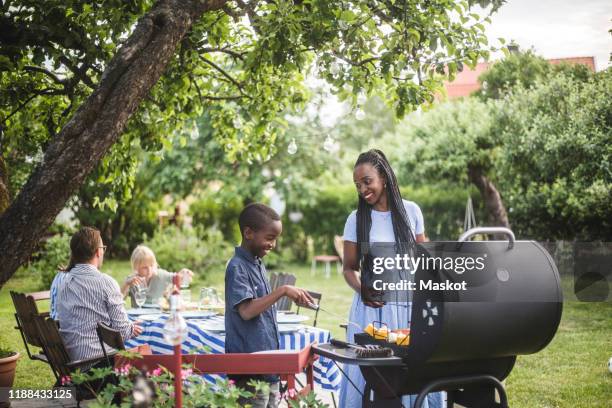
(103,247)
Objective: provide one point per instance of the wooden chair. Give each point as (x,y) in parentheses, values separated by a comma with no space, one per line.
(273,281)
(111,337)
(43,295)
(58,357)
(25,311)
(317,297)
(284,303)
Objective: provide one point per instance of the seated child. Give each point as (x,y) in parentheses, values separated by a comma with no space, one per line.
(250,315)
(145,271)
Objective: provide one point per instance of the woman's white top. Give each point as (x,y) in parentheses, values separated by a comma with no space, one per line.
(382,227)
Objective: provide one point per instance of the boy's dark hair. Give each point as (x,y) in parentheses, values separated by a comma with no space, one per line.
(256,216)
(402,230)
(83,246)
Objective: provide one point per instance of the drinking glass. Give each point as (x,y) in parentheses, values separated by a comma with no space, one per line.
(205,297)
(185,278)
(140,295)
(214,297)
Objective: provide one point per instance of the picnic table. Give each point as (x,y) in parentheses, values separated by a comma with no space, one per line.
(201,340)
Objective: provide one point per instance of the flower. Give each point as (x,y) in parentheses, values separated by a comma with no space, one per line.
(123,370)
(65,380)
(155,373)
(186,373)
(291,393)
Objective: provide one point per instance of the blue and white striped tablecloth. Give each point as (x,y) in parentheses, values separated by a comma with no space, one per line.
(326,373)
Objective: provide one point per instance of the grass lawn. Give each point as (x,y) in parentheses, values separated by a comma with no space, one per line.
(570,372)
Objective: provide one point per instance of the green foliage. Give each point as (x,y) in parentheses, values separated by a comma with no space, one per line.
(54,254)
(326,216)
(444,142)
(557,158)
(443,208)
(6,352)
(196,249)
(213,212)
(525,70)
(197,392)
(546,147)
(244,73)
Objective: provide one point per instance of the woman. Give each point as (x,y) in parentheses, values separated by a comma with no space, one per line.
(387,225)
(145,272)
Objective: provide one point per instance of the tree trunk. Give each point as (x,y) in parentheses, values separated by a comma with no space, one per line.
(95,127)
(5,197)
(490,195)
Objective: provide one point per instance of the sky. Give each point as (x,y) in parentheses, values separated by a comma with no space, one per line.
(557,28)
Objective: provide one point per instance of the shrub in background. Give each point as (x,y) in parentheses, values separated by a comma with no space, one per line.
(325,217)
(193,248)
(54,254)
(216,212)
(443,208)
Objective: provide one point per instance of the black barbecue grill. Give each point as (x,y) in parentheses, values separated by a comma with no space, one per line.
(466,342)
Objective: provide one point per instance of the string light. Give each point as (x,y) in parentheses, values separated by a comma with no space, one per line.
(237,122)
(334,68)
(292,148)
(360,114)
(330,144)
(194,132)
(361,99)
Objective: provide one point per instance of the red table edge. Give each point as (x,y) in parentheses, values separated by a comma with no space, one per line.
(287,365)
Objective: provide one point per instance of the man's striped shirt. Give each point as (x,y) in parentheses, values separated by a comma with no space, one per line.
(85,296)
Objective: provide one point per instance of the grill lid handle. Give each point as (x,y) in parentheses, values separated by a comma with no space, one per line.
(488,231)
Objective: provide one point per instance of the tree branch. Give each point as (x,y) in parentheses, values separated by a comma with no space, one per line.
(224,98)
(238,55)
(80,73)
(48,91)
(224,73)
(250,10)
(46,72)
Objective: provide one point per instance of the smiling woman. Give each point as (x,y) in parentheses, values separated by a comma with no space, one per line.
(384,225)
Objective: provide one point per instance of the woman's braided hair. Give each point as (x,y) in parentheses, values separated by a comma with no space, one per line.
(404,239)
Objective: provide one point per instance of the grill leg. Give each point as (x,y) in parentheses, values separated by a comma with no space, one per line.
(477,391)
(374,402)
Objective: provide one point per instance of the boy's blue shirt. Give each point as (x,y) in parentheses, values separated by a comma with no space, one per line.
(245,278)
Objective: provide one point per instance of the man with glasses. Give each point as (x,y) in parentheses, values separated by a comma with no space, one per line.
(85,296)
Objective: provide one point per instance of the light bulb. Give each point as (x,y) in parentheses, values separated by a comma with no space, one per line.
(334,68)
(296,216)
(360,114)
(292,148)
(329,144)
(361,99)
(195,132)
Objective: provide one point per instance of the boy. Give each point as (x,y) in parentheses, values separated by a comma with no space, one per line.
(250,316)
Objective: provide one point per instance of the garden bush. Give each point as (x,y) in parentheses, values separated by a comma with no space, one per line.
(215,212)
(195,248)
(53,255)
